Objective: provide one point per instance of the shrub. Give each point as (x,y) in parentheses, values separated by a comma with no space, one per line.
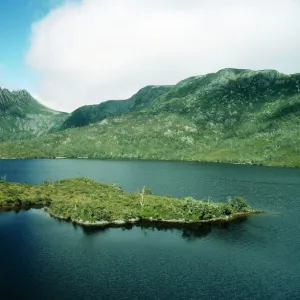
(238,204)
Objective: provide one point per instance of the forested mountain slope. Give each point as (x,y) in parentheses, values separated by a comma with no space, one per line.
(21,116)
(233,115)
(89,114)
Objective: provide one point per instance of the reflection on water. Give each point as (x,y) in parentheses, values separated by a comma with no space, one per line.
(186,231)
(17,209)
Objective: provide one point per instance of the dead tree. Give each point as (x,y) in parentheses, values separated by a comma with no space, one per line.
(142,193)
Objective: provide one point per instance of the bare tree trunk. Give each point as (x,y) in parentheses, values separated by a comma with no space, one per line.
(142,193)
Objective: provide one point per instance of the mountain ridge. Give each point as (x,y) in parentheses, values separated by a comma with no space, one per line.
(88,114)
(233,115)
(212,81)
(22,116)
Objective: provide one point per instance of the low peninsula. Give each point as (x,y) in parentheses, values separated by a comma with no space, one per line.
(87,202)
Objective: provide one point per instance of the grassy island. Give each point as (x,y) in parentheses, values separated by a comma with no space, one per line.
(87,202)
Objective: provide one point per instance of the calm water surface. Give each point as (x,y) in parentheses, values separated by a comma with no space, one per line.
(256,258)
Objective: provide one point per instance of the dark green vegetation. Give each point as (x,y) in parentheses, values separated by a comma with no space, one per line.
(86,201)
(22,117)
(89,114)
(239,116)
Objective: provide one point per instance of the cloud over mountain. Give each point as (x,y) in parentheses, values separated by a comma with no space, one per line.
(89,51)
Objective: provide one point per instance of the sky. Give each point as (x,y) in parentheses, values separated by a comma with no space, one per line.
(69,53)
(16,19)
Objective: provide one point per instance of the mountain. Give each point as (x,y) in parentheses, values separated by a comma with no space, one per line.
(228,96)
(233,115)
(89,114)
(21,116)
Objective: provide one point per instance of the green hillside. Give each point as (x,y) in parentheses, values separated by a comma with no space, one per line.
(88,114)
(21,116)
(239,116)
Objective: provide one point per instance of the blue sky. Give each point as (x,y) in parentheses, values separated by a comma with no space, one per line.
(16,18)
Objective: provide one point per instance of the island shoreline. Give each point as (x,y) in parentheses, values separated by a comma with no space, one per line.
(133,221)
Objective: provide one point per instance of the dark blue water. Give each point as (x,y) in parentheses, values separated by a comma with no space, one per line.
(256,258)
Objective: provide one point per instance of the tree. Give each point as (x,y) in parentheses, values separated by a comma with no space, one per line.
(144,191)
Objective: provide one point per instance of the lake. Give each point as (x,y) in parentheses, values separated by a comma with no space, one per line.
(255,258)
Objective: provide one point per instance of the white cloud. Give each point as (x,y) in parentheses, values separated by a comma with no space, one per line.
(94,50)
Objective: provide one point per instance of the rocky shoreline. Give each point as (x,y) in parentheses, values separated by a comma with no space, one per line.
(137,220)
